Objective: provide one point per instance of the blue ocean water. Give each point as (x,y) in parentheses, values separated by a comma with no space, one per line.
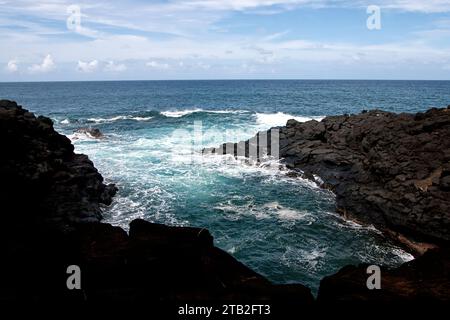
(284,228)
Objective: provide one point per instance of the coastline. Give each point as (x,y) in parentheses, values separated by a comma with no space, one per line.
(150,254)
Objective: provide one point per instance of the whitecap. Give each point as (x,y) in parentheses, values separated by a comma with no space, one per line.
(140,118)
(182,113)
(280,118)
(65,121)
(101,120)
(178,114)
(226,111)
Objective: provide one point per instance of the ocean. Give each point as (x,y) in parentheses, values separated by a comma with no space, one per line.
(284,228)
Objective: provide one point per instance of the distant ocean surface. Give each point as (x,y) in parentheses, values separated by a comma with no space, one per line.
(283,228)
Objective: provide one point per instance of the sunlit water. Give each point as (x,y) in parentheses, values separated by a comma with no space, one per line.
(284,228)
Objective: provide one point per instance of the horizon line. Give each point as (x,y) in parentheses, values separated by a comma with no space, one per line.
(237,79)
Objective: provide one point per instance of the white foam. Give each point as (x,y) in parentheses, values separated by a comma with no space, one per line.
(309,258)
(280,118)
(288,214)
(232,250)
(140,118)
(179,114)
(102,120)
(182,113)
(403,255)
(226,111)
(234,212)
(65,121)
(351,224)
(265,211)
(81,136)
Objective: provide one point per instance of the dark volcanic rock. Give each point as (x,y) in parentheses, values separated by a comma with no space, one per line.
(423,279)
(51,202)
(164,263)
(390,170)
(41,175)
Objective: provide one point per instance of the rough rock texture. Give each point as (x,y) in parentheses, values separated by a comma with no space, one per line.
(390,170)
(422,280)
(51,200)
(42,175)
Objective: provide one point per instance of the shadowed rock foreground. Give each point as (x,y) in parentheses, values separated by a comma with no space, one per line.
(422,280)
(52,198)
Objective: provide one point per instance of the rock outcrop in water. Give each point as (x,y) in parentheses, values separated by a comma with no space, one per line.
(386,169)
(51,201)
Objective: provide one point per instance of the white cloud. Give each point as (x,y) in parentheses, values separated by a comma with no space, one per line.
(203,65)
(87,32)
(111,66)
(12,66)
(157,65)
(87,66)
(427,6)
(184,31)
(46,65)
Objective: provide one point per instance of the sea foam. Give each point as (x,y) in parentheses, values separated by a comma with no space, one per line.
(182,113)
(280,118)
(117,118)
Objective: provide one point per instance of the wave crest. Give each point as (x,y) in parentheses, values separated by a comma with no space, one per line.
(280,118)
(182,113)
(117,118)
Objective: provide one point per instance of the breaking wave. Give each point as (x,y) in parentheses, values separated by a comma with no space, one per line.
(280,118)
(117,118)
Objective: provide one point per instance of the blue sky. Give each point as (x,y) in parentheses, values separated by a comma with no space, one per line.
(213,39)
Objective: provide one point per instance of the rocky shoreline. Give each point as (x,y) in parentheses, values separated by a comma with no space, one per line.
(52,200)
(389,170)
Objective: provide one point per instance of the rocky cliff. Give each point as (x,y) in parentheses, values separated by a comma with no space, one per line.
(386,169)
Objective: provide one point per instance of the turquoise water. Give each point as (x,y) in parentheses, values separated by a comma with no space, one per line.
(284,228)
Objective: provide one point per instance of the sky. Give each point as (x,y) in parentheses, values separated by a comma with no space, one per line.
(59,40)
